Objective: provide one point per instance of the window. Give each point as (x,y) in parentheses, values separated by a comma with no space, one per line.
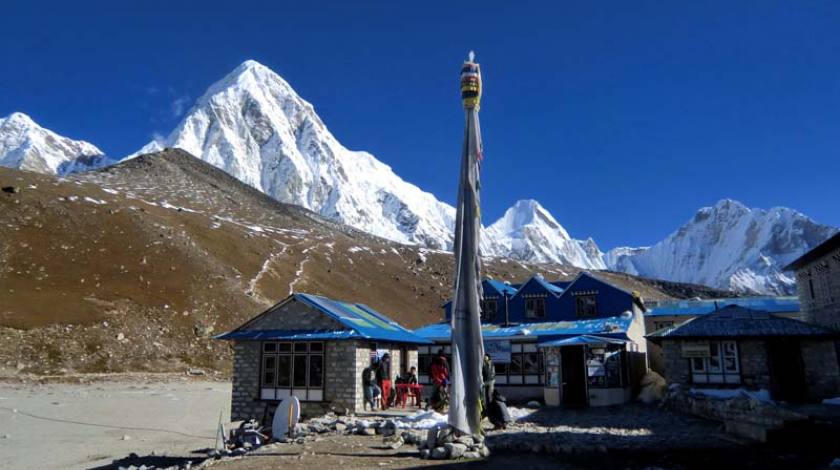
(535,307)
(292,368)
(658,325)
(526,366)
(811,288)
(489,307)
(586,306)
(604,366)
(721,367)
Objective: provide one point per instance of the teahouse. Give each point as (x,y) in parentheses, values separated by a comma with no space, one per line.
(739,347)
(578,343)
(314,348)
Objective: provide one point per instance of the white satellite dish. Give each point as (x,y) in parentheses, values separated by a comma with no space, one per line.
(286,416)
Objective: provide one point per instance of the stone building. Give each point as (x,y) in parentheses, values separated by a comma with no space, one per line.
(314,348)
(818,283)
(577,343)
(670,313)
(738,347)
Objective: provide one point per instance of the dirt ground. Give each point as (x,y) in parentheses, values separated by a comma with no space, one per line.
(61,425)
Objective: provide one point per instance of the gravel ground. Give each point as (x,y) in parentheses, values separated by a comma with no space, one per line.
(63,425)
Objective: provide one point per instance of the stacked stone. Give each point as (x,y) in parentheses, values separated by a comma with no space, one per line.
(445,443)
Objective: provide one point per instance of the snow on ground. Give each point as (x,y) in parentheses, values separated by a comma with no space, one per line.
(728,393)
(429,419)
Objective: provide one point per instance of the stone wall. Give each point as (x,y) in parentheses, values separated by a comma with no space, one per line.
(755,369)
(293,315)
(823,275)
(676,367)
(245,403)
(822,372)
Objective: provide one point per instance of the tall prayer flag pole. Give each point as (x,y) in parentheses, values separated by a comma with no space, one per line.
(467,347)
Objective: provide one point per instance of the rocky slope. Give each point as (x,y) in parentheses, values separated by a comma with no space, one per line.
(728,246)
(132,267)
(27,146)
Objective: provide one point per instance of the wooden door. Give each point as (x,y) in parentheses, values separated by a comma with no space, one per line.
(573,381)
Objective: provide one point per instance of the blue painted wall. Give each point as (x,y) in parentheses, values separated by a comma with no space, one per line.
(560,306)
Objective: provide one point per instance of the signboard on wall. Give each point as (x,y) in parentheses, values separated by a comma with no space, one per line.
(696,349)
(499,351)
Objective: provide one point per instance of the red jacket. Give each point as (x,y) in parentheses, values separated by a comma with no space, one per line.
(439,371)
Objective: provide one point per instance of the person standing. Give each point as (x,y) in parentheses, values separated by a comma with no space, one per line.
(383,376)
(488,375)
(371,390)
(439,373)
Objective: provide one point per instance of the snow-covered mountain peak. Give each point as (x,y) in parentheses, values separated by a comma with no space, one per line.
(26,145)
(254,126)
(525,212)
(729,246)
(527,231)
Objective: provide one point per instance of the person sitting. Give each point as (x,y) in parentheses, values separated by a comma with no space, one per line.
(411,377)
(497,411)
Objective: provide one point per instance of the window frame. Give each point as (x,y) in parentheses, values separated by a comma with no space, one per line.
(271,390)
(504,374)
(716,370)
(532,312)
(580,299)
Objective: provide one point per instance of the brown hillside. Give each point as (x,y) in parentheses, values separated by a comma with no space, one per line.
(134,266)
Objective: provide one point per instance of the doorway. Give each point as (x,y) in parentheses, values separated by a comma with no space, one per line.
(787,372)
(573,376)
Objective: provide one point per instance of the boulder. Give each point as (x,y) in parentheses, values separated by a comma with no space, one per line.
(455,450)
(438,453)
(394,441)
(466,440)
(472,455)
(424,453)
(340,427)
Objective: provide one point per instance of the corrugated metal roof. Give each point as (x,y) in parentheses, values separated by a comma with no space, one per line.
(501,287)
(734,321)
(362,322)
(582,339)
(611,326)
(706,306)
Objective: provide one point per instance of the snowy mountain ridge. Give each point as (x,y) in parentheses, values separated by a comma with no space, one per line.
(728,246)
(528,232)
(254,126)
(27,146)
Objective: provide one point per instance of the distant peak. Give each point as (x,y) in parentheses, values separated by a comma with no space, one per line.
(18,117)
(250,64)
(729,204)
(526,205)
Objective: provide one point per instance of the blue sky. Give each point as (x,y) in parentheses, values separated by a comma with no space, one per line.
(622,118)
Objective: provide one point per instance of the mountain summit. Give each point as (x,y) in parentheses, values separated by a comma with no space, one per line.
(528,232)
(254,126)
(25,145)
(728,246)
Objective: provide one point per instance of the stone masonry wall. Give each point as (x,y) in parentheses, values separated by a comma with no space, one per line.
(676,367)
(824,274)
(822,372)
(294,315)
(245,402)
(755,368)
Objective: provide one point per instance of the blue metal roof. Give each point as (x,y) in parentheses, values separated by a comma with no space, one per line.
(501,287)
(610,326)
(706,306)
(734,321)
(362,322)
(289,335)
(582,339)
(557,290)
